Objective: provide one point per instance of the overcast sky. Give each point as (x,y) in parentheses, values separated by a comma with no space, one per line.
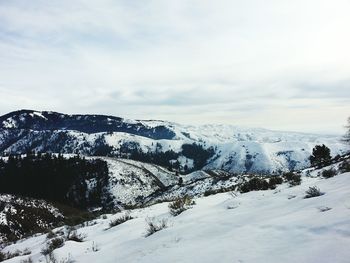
(278,64)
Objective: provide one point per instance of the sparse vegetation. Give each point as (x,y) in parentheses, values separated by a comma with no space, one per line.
(50,247)
(51,234)
(56,243)
(180,205)
(120,220)
(329,173)
(258,183)
(313,191)
(274,181)
(43,216)
(2,256)
(17,253)
(155,225)
(75,216)
(28,260)
(292,178)
(73,235)
(345,166)
(254,184)
(220,190)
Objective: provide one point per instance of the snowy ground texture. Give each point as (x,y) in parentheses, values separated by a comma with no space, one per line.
(262,226)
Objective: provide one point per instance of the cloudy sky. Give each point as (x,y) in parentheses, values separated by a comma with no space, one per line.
(275,64)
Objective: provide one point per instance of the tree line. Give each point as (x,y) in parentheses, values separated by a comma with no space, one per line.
(74,181)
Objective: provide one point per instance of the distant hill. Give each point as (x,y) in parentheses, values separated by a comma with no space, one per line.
(174,146)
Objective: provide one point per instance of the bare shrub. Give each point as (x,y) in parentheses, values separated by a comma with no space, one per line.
(120,220)
(313,191)
(73,235)
(28,260)
(9,255)
(180,205)
(155,225)
(50,247)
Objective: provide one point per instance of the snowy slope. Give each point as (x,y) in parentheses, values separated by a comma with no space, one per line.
(14,211)
(131,182)
(263,226)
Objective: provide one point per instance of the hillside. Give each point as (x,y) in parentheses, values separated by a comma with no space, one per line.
(277,225)
(171,145)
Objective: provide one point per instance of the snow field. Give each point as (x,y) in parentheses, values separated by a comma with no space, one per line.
(263,226)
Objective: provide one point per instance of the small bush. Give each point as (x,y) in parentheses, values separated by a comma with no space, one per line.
(292,178)
(9,255)
(275,180)
(219,190)
(254,184)
(51,234)
(28,260)
(180,205)
(52,245)
(155,225)
(74,236)
(49,256)
(313,191)
(345,166)
(120,220)
(329,173)
(46,251)
(56,243)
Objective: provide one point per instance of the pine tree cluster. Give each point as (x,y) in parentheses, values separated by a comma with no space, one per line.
(74,181)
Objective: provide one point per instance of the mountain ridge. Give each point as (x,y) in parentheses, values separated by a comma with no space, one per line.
(183,147)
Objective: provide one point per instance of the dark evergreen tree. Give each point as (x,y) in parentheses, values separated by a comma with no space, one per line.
(321,155)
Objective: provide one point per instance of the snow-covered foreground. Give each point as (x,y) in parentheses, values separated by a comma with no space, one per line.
(264,226)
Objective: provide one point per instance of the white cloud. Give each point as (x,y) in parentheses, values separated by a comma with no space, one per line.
(252,62)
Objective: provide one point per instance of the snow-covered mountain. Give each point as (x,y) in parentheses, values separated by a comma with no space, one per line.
(278,225)
(184,147)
